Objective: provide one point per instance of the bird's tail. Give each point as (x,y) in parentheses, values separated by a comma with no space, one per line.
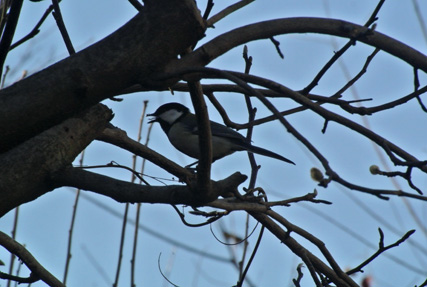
(261,151)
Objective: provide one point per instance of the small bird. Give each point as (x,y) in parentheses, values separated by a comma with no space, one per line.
(180,125)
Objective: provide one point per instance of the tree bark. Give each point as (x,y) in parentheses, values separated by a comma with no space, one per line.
(146,44)
(25,170)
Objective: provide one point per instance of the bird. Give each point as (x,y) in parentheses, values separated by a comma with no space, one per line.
(180,126)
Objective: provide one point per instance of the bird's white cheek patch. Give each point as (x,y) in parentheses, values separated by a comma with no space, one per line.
(170,116)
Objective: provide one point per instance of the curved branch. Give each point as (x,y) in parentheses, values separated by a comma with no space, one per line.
(264,30)
(243,79)
(37,270)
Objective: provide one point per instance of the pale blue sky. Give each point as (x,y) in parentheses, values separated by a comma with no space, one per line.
(44,223)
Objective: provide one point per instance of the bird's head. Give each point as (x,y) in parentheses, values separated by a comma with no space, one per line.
(168,113)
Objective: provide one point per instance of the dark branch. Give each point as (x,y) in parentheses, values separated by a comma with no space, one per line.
(37,270)
(123,191)
(61,26)
(381,249)
(9,30)
(35,30)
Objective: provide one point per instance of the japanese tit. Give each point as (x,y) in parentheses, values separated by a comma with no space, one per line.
(180,125)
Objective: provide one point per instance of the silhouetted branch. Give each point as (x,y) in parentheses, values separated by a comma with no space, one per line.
(123,191)
(340,52)
(9,30)
(205,138)
(227,11)
(35,30)
(341,280)
(38,272)
(120,139)
(61,26)
(381,248)
(297,281)
(243,80)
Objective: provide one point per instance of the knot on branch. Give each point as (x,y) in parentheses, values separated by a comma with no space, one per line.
(226,187)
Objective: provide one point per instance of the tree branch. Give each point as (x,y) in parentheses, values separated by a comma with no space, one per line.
(120,139)
(144,45)
(380,250)
(26,167)
(9,31)
(123,191)
(37,270)
(264,30)
(205,138)
(301,252)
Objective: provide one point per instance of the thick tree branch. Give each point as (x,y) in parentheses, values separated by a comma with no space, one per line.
(129,56)
(123,191)
(25,169)
(264,30)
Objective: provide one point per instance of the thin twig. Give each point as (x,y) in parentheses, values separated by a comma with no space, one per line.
(73,219)
(121,245)
(161,272)
(209,6)
(12,256)
(276,45)
(138,206)
(61,26)
(252,181)
(297,281)
(381,248)
(209,221)
(227,11)
(359,75)
(308,197)
(341,51)
(35,30)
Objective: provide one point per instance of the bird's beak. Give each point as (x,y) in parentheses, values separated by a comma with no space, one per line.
(152,120)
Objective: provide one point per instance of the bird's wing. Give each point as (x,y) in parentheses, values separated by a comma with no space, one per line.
(219,130)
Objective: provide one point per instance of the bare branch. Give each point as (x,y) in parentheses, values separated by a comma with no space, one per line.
(340,280)
(9,31)
(61,26)
(37,270)
(77,83)
(35,30)
(264,30)
(227,11)
(24,178)
(205,138)
(380,250)
(123,191)
(243,79)
(120,139)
